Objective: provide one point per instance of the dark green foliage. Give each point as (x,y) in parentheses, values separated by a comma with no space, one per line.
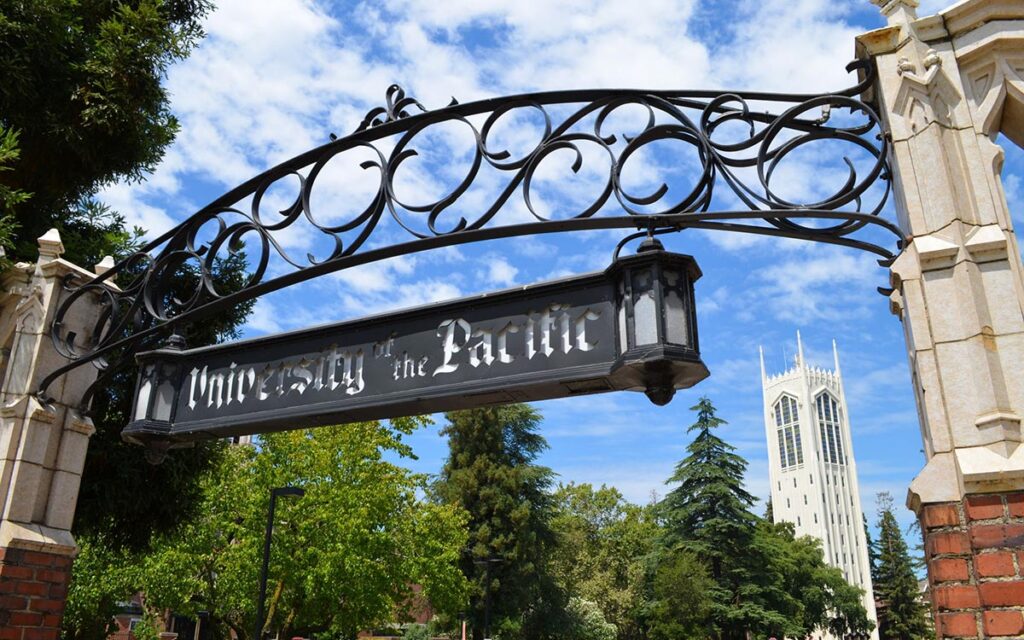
(490,472)
(604,554)
(763,581)
(681,603)
(769,511)
(9,197)
(80,81)
(901,614)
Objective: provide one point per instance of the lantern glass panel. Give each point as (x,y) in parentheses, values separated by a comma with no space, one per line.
(677,323)
(645,307)
(165,393)
(623,326)
(145,391)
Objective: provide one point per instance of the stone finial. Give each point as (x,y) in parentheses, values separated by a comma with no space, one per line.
(898,10)
(103,266)
(50,245)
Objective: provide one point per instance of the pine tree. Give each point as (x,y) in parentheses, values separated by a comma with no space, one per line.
(769,511)
(708,514)
(490,472)
(901,614)
(872,550)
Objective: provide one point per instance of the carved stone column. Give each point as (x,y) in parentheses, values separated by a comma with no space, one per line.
(948,85)
(42,448)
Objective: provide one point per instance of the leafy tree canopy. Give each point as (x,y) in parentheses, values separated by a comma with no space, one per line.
(80,85)
(603,553)
(490,472)
(901,614)
(345,556)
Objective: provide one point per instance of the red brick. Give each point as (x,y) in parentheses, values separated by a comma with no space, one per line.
(54,577)
(59,591)
(11,556)
(14,572)
(954,542)
(40,634)
(10,634)
(25,619)
(12,603)
(32,588)
(983,507)
(47,606)
(38,559)
(940,515)
(987,536)
(990,565)
(1003,623)
(957,597)
(51,621)
(1002,594)
(1015,503)
(61,562)
(958,625)
(949,569)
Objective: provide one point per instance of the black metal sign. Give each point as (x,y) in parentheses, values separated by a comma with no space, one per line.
(573,336)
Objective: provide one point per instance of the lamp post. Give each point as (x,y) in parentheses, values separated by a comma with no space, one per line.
(274,493)
(487,562)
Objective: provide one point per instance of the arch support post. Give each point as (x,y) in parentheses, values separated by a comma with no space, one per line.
(948,85)
(42,446)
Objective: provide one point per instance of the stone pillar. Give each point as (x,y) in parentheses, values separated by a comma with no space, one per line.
(948,85)
(42,448)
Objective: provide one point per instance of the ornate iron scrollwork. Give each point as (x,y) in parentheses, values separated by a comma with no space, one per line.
(739,151)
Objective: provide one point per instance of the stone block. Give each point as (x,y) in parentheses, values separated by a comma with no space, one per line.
(60,508)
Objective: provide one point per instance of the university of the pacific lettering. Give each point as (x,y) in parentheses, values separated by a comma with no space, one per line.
(555,329)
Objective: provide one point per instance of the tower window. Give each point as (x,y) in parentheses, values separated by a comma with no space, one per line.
(828,428)
(787,424)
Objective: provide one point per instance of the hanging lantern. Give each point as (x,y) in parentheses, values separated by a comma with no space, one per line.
(657,321)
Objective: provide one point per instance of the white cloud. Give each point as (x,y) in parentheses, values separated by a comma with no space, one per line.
(498,271)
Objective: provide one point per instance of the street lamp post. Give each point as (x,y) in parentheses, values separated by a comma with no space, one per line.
(274,493)
(487,562)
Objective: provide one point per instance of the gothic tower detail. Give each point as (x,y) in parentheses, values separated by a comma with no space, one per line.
(811,465)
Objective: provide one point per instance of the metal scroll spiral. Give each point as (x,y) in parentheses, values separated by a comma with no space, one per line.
(744,167)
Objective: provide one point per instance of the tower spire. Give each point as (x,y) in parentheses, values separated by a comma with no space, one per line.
(835,355)
(760,350)
(799,351)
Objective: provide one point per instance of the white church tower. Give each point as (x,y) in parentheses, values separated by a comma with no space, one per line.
(811,466)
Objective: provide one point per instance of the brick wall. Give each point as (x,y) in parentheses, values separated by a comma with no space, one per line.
(33,587)
(975,553)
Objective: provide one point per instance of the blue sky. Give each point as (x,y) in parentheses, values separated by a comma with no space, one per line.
(275,78)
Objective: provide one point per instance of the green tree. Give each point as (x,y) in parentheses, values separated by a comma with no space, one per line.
(708,514)
(680,606)
(491,473)
(604,544)
(809,594)
(81,84)
(345,556)
(9,197)
(901,614)
(587,622)
(763,580)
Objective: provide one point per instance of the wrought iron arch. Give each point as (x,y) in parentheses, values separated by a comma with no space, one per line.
(140,313)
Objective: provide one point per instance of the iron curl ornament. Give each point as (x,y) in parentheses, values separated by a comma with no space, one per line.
(736,145)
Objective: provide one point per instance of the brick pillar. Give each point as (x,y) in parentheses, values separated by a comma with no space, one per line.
(948,85)
(33,587)
(42,447)
(975,552)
